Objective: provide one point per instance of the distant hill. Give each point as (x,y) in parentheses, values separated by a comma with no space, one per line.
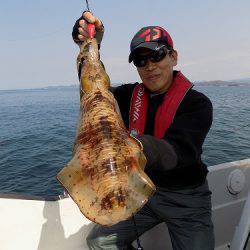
(60,87)
(241,82)
(236,82)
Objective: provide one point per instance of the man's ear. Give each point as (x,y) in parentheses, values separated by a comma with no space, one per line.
(174,56)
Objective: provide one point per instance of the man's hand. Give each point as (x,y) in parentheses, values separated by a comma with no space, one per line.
(159,153)
(80,31)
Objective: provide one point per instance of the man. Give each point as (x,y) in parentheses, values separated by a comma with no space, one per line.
(171,120)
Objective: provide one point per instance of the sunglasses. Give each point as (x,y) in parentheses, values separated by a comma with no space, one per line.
(156,56)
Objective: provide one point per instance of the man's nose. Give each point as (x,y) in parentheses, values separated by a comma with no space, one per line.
(150,65)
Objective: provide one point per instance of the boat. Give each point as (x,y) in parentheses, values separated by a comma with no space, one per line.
(29,222)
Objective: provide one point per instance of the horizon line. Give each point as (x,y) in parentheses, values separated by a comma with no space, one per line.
(235,81)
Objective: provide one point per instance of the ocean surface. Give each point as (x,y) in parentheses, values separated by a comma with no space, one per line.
(37,132)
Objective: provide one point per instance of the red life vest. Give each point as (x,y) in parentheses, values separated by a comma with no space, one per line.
(166,110)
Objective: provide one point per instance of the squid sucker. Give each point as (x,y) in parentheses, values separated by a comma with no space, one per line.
(105,176)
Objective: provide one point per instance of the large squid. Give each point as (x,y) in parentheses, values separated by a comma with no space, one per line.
(105,176)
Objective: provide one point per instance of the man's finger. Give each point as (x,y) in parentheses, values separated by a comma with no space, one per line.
(89,17)
(85,33)
(98,24)
(82,31)
(82,38)
(82,23)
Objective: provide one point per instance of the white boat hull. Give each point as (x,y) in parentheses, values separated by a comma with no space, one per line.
(50,225)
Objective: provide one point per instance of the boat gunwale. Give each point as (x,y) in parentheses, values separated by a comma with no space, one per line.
(33,197)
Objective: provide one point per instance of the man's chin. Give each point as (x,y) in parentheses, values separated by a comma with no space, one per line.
(153,90)
(151,86)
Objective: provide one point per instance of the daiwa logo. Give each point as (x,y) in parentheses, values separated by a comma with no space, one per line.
(138,103)
(151,34)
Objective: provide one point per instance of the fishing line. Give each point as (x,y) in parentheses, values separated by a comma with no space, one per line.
(139,247)
(87,3)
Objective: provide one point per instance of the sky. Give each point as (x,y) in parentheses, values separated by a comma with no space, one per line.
(36,49)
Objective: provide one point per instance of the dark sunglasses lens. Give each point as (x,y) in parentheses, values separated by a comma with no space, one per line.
(157,56)
(140,61)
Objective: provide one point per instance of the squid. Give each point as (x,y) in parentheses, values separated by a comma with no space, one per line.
(105,176)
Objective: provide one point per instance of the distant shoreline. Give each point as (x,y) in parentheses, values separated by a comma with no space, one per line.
(43,88)
(223,83)
(236,83)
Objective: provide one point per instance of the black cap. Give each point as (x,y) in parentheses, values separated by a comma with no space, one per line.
(149,37)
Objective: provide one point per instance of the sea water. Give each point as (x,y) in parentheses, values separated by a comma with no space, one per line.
(37,132)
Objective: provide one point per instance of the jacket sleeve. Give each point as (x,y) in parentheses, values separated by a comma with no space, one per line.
(182,144)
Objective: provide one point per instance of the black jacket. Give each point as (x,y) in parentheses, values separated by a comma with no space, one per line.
(186,135)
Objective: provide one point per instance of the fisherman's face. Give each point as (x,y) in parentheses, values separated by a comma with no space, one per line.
(157,76)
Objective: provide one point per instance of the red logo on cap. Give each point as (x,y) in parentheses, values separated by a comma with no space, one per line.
(147,34)
(158,34)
